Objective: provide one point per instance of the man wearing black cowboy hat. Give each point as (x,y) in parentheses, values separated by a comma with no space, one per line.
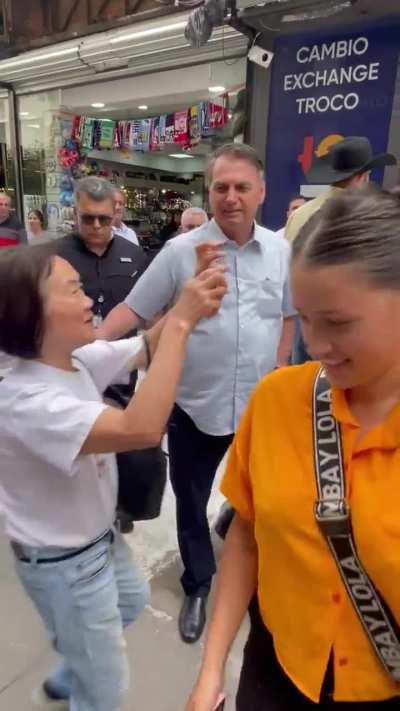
(347,163)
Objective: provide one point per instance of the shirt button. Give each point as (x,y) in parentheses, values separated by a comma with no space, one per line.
(336,598)
(343,661)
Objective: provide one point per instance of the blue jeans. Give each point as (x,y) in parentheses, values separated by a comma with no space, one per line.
(85,602)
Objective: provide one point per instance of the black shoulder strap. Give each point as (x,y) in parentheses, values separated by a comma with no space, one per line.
(333,516)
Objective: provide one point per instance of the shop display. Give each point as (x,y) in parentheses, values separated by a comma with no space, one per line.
(183,128)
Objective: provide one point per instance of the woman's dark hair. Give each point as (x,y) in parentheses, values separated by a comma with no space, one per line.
(39,215)
(22,270)
(359,226)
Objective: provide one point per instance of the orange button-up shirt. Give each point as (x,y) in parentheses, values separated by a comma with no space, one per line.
(270,480)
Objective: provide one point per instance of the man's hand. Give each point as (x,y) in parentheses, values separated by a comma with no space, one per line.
(208,254)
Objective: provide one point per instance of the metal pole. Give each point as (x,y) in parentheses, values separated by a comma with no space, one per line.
(15,147)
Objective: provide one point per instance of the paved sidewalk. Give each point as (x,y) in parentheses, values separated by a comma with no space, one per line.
(163,667)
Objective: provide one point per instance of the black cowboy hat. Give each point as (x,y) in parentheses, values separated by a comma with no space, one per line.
(346,158)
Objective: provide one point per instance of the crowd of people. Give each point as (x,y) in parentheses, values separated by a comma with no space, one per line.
(312,532)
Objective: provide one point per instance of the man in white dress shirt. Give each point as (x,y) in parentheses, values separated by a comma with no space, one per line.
(119,227)
(226,356)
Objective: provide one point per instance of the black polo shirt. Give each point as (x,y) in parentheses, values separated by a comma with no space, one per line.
(109,278)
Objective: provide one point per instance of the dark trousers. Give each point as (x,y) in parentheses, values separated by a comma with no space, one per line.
(194,458)
(264,686)
(299,351)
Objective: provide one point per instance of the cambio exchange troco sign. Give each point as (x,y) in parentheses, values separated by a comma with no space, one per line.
(322,89)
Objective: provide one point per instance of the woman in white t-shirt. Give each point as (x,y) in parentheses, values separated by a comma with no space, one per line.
(58,482)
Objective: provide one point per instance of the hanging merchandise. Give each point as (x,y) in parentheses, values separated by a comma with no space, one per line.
(96,134)
(125,130)
(76,128)
(219,113)
(169,129)
(205,115)
(118,135)
(217,116)
(139,139)
(155,134)
(162,130)
(194,125)
(87,134)
(145,129)
(181,136)
(106,133)
(184,128)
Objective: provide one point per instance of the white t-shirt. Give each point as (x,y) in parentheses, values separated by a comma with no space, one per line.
(50,494)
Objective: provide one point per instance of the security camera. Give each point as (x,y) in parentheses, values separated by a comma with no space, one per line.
(260,56)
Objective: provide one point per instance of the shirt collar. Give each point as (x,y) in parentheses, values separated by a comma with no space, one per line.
(221,236)
(383,436)
(119,230)
(82,246)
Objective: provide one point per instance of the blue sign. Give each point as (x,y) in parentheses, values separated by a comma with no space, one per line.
(324,88)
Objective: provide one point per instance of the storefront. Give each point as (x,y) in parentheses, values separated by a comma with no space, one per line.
(147,131)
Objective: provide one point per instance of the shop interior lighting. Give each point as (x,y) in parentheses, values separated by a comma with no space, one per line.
(143,107)
(24,113)
(33,125)
(179,155)
(38,58)
(216,89)
(98,105)
(148,33)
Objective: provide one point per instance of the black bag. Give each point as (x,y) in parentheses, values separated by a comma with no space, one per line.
(142,473)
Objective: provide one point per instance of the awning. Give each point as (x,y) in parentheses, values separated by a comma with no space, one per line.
(139,49)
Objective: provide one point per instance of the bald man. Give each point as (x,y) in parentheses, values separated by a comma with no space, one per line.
(191,218)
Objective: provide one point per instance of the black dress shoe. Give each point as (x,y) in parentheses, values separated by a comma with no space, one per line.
(51,693)
(192,618)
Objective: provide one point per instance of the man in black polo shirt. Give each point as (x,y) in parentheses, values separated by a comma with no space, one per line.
(109,265)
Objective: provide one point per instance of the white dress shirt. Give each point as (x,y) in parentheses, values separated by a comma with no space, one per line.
(126,232)
(51,494)
(228,354)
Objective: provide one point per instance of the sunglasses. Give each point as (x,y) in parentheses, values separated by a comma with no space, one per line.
(87,219)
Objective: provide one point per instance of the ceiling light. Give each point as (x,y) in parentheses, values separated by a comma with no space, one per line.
(98,105)
(33,125)
(148,33)
(216,89)
(143,107)
(163,191)
(38,58)
(179,155)
(24,113)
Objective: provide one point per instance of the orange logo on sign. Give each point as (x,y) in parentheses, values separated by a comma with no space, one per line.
(309,150)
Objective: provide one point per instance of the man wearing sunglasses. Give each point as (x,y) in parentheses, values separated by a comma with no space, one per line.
(109,265)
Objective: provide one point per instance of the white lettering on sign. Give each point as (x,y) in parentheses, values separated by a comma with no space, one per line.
(335,50)
(338,102)
(331,77)
(314,77)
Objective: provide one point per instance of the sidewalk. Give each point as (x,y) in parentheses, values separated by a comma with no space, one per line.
(163,667)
